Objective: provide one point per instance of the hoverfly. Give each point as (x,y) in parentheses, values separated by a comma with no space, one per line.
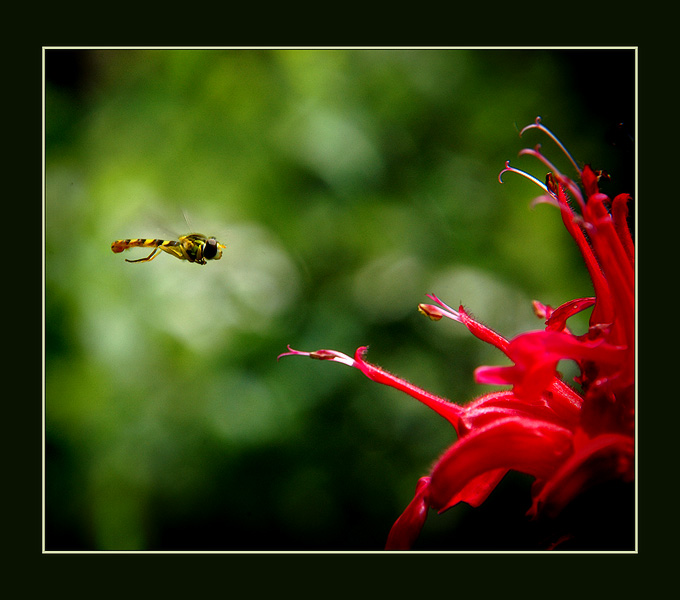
(194,247)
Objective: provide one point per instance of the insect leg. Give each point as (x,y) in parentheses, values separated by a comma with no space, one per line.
(147,259)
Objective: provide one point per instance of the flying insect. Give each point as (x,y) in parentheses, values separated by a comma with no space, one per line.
(194,247)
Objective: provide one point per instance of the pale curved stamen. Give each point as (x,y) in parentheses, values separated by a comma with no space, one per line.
(563,179)
(538,125)
(510,169)
(536,153)
(545,199)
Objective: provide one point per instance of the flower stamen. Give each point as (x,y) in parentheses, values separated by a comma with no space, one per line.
(332,355)
(538,125)
(555,173)
(437,312)
(531,178)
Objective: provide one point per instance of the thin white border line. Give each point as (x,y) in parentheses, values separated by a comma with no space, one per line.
(342,48)
(42,300)
(637,229)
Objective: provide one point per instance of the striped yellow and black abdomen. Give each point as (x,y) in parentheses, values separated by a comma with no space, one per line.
(121,245)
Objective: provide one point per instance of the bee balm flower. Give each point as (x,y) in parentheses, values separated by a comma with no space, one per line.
(569,438)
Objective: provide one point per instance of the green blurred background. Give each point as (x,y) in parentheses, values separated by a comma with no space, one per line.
(346,185)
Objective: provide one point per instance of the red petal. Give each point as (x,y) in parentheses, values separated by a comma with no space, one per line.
(558,318)
(481,331)
(407,527)
(605,457)
(536,354)
(620,215)
(618,270)
(501,405)
(478,489)
(443,407)
(589,180)
(602,313)
(522,444)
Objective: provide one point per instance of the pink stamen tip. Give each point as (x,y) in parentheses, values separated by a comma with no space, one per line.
(535,125)
(447,311)
(332,355)
(292,352)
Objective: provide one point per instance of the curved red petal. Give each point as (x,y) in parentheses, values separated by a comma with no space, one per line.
(481,331)
(477,490)
(522,444)
(605,457)
(536,354)
(602,313)
(500,405)
(443,407)
(407,527)
(589,180)
(558,318)
(620,216)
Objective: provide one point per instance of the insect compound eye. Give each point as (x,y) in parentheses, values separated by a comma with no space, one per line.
(210,249)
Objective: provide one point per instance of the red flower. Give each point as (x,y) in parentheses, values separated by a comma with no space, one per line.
(568,438)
